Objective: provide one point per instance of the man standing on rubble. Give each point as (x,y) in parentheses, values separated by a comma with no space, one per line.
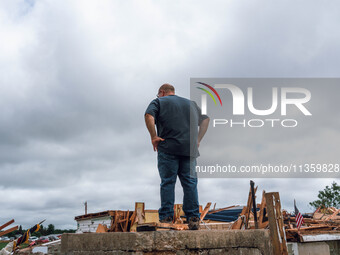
(180,128)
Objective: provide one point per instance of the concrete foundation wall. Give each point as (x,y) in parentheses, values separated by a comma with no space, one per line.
(233,242)
(314,248)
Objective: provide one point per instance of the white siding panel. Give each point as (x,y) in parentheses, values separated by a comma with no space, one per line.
(91,225)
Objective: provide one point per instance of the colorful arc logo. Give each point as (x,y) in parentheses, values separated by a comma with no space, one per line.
(209,93)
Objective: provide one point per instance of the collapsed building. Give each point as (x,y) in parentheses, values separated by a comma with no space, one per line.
(319,233)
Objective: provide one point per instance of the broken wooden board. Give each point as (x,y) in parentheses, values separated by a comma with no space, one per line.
(205,211)
(221,209)
(263,219)
(276,227)
(8,230)
(142,216)
(101,229)
(159,226)
(7,224)
(242,221)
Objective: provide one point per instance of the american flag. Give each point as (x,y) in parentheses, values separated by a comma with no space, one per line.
(298,217)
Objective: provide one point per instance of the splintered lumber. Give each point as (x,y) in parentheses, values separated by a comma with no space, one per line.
(133,218)
(138,216)
(243,219)
(172,226)
(311,229)
(263,221)
(123,220)
(178,212)
(249,205)
(126,221)
(276,227)
(101,229)
(114,226)
(297,235)
(154,226)
(327,214)
(142,216)
(221,209)
(93,215)
(205,211)
(6,224)
(336,212)
(8,231)
(120,221)
(139,209)
(238,223)
(311,222)
(254,203)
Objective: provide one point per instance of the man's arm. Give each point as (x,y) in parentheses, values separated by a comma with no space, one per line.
(202,130)
(150,124)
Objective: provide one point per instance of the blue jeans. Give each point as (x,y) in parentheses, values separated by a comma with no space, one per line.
(169,166)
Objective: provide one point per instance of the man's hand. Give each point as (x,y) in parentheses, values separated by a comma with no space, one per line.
(155,141)
(150,124)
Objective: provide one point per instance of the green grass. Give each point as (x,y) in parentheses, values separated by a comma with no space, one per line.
(2,245)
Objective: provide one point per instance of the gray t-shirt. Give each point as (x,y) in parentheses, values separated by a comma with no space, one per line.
(177,120)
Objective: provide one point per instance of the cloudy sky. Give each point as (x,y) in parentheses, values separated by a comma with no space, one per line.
(76,77)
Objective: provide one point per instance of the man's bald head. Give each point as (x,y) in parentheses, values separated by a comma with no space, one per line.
(166,90)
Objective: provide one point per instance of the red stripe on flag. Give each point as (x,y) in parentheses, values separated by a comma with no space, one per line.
(299,220)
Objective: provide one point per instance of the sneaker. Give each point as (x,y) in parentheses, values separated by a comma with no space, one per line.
(194,223)
(166,220)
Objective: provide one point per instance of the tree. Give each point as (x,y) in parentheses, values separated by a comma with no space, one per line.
(20,231)
(50,229)
(329,197)
(42,231)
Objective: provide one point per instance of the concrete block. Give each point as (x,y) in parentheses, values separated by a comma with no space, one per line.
(315,248)
(248,242)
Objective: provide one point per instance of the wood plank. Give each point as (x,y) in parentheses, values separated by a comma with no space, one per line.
(307,229)
(7,224)
(245,212)
(93,215)
(205,211)
(112,224)
(336,212)
(133,218)
(222,209)
(262,210)
(139,208)
(8,231)
(139,216)
(127,221)
(172,226)
(274,235)
(249,205)
(279,220)
(178,212)
(101,229)
(238,223)
(253,198)
(115,222)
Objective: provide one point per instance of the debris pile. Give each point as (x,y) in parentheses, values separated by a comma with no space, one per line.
(324,224)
